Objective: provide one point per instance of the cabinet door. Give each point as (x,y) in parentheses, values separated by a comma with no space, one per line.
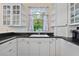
(44,47)
(23,47)
(9,48)
(58,46)
(61,14)
(16,14)
(6,14)
(69,49)
(34,46)
(52,50)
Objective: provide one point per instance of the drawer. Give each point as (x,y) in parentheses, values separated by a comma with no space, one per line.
(22,39)
(9,51)
(8,44)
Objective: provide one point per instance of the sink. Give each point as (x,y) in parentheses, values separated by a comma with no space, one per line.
(38,36)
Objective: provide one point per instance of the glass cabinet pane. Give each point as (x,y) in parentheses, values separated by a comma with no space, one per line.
(16,9)
(72,20)
(72,8)
(76,12)
(76,9)
(16,14)
(6,14)
(72,4)
(76,19)
(77,6)
(72,14)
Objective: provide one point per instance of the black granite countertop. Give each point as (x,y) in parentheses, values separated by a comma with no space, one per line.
(69,39)
(10,36)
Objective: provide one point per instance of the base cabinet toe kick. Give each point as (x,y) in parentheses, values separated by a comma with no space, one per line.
(38,47)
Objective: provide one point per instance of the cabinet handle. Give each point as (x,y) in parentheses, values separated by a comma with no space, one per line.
(50,42)
(10,43)
(27,42)
(52,39)
(39,42)
(23,40)
(10,50)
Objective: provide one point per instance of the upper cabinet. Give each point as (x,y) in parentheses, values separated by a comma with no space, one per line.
(13,15)
(74,13)
(61,14)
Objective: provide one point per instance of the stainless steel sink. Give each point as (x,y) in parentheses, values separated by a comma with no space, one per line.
(38,35)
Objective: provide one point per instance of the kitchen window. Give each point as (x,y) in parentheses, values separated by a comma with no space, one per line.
(38,19)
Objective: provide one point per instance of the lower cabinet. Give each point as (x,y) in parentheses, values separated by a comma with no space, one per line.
(44,47)
(23,47)
(52,47)
(36,46)
(58,47)
(8,48)
(69,49)
(39,47)
(65,48)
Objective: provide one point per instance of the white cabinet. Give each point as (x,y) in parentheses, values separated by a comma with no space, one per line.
(69,49)
(28,46)
(8,48)
(74,13)
(61,20)
(58,47)
(61,14)
(65,48)
(52,48)
(36,46)
(47,47)
(44,47)
(23,47)
(13,15)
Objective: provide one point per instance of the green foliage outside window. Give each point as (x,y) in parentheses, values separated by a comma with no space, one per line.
(38,23)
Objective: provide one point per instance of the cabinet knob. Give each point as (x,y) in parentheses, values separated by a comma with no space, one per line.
(27,42)
(10,50)
(39,42)
(23,40)
(10,43)
(50,42)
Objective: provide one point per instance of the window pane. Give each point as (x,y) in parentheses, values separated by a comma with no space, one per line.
(38,23)
(38,19)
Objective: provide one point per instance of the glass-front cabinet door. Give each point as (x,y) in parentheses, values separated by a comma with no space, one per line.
(11,14)
(16,14)
(6,14)
(74,13)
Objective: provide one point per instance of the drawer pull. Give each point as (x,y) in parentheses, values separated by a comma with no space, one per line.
(50,42)
(39,42)
(10,43)
(27,42)
(10,50)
